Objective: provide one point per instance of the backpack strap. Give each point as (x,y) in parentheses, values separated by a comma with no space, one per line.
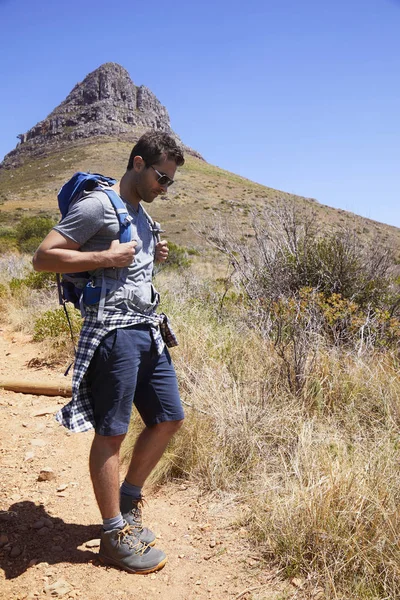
(124,218)
(154,226)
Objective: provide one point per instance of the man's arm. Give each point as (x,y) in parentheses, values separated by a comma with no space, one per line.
(62,255)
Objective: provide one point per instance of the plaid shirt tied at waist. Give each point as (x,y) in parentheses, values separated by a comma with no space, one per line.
(77,415)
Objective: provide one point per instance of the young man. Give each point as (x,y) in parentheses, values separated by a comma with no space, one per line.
(121,357)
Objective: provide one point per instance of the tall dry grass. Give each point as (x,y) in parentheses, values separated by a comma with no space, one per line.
(316,473)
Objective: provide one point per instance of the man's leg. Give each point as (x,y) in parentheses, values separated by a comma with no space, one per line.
(104,471)
(148,449)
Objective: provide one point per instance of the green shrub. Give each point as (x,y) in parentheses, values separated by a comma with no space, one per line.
(40,281)
(31,231)
(54,324)
(178,257)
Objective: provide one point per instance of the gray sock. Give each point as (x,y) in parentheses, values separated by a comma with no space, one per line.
(131,490)
(113,523)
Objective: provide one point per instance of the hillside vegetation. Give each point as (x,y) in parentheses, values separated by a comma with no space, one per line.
(288,368)
(201,194)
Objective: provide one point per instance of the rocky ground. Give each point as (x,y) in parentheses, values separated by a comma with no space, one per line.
(49,522)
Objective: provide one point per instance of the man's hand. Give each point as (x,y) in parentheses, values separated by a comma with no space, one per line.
(121,255)
(161,251)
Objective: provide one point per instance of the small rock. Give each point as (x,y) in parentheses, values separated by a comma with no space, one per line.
(58,588)
(3,540)
(15,551)
(46,474)
(29,456)
(15,497)
(43,531)
(198,582)
(212,544)
(48,523)
(39,524)
(153,576)
(33,562)
(49,573)
(7,515)
(39,443)
(56,548)
(93,543)
(181,556)
(45,411)
(297,582)
(205,526)
(62,487)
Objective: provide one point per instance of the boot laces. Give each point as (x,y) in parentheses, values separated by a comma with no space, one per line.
(127,535)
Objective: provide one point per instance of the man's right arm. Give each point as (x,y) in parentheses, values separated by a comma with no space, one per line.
(60,254)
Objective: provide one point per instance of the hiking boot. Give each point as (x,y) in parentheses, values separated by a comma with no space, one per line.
(131,510)
(122,548)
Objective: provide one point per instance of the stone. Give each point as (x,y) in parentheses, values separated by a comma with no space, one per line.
(3,540)
(48,522)
(38,442)
(43,531)
(58,588)
(38,524)
(93,543)
(45,411)
(62,487)
(15,551)
(29,456)
(33,562)
(46,474)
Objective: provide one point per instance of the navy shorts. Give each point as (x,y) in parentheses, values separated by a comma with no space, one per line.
(126,370)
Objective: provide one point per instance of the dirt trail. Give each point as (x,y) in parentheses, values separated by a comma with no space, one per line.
(207,556)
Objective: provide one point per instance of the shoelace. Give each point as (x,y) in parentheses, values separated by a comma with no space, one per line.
(127,536)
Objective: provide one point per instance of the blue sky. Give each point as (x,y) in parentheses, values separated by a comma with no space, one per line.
(302,96)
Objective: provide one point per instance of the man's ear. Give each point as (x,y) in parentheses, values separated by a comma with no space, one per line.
(138,164)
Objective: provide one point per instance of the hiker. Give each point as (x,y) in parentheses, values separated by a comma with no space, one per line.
(121,357)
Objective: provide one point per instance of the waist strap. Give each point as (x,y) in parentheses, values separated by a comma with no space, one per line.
(100,292)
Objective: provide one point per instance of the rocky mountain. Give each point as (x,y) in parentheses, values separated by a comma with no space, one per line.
(105,104)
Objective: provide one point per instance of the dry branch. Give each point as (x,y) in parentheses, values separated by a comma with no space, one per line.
(37,388)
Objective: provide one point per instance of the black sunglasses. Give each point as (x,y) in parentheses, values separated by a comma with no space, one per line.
(163,179)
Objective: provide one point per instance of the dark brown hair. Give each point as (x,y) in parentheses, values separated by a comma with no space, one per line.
(153,145)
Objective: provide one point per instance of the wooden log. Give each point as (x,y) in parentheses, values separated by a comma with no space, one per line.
(37,388)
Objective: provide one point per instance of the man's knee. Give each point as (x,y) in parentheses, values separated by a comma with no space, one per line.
(111,442)
(169,427)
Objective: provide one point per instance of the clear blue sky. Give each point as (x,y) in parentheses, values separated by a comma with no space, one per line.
(303,96)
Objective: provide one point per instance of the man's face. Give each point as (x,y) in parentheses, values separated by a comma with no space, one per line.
(148,184)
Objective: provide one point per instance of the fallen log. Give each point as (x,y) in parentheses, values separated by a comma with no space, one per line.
(37,388)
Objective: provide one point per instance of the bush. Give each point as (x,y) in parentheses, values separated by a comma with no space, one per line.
(54,324)
(351,280)
(178,257)
(31,231)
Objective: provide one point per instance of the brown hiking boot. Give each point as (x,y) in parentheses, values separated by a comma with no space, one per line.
(122,548)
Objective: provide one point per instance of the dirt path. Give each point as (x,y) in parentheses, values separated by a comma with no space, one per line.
(45,526)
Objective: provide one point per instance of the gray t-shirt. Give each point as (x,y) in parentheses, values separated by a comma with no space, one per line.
(92,223)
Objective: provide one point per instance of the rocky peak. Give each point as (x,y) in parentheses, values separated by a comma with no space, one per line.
(105,103)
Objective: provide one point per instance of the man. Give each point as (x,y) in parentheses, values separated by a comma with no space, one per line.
(121,357)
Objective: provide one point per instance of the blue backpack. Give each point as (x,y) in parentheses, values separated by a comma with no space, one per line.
(77,287)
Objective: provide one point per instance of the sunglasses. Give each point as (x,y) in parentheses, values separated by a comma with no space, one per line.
(162,178)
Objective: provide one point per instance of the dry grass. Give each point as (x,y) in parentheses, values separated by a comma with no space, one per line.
(316,474)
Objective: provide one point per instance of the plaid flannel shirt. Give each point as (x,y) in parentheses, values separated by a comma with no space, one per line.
(77,415)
